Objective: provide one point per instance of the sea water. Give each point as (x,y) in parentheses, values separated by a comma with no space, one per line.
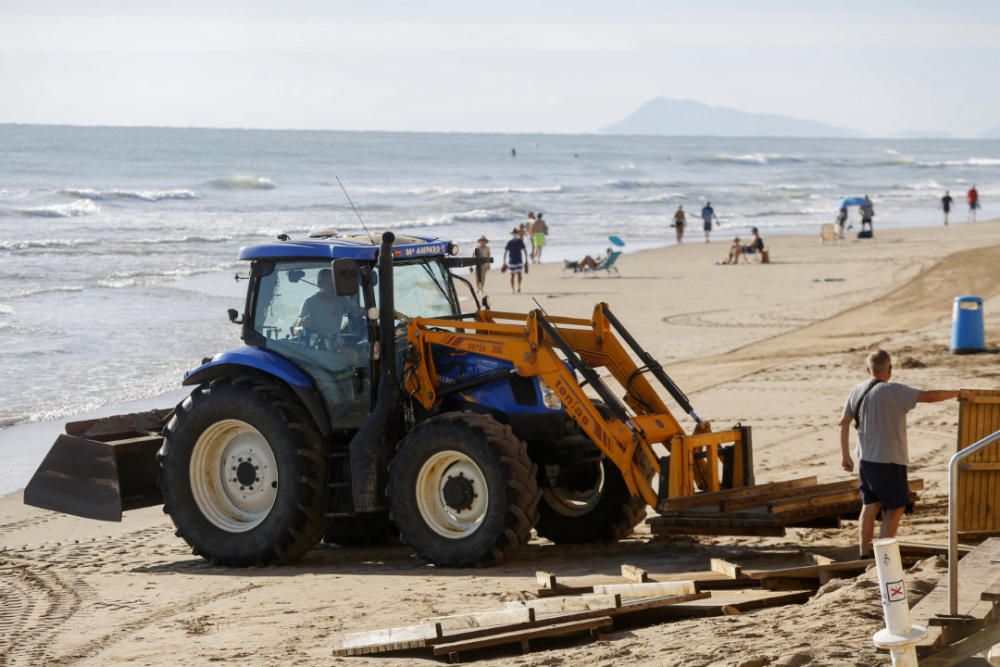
(118,245)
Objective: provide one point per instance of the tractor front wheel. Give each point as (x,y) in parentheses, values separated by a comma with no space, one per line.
(242,470)
(462,490)
(598,508)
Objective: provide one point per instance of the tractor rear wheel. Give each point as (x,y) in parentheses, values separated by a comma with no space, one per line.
(463,491)
(599,508)
(242,470)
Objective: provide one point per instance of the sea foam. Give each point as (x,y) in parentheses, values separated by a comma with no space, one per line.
(142,195)
(243,183)
(73,210)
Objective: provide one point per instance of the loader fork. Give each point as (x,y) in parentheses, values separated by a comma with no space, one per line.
(635,422)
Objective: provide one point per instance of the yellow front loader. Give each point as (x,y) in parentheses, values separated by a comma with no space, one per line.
(566,354)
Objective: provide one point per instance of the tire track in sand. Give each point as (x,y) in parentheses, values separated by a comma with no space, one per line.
(923,300)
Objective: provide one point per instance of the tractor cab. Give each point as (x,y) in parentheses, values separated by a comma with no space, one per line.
(316,304)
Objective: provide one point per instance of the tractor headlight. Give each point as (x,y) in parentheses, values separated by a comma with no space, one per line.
(454,249)
(549,397)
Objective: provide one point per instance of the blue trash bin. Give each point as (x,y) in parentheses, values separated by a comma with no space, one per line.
(967,333)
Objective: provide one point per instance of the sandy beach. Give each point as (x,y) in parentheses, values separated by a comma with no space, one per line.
(775,346)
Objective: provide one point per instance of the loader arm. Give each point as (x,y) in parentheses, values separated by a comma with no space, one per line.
(533,343)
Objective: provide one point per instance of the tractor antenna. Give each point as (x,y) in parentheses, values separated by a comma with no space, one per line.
(370,237)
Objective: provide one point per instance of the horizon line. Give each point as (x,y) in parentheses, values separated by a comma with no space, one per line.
(595,133)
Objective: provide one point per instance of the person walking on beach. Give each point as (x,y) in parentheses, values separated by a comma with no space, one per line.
(867,213)
(878,410)
(514,258)
(707,215)
(680,219)
(481,251)
(946,205)
(973,197)
(529,226)
(539,230)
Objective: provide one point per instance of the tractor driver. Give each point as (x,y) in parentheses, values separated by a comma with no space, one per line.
(322,315)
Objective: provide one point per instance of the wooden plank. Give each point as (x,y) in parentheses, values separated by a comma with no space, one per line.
(634,574)
(519,636)
(389,639)
(778,494)
(809,502)
(561,590)
(770,530)
(481,619)
(979,466)
(571,603)
(789,583)
(923,549)
(653,589)
(826,498)
(725,567)
(818,559)
(731,604)
(978,642)
(714,497)
(976,572)
(625,610)
(809,571)
(545,579)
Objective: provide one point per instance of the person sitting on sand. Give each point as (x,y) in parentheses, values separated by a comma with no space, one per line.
(735,252)
(878,410)
(589,263)
(756,243)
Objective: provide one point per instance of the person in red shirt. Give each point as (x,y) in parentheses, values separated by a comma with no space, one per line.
(973,197)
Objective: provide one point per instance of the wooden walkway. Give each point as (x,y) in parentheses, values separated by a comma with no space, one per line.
(978,597)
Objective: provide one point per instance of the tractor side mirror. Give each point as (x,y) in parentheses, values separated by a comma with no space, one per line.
(345,276)
(295,275)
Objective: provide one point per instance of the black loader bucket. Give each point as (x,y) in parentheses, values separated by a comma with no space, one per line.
(101,467)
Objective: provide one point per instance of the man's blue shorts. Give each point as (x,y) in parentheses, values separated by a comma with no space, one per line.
(884,483)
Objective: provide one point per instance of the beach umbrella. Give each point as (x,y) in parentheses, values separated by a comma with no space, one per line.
(617,241)
(852,201)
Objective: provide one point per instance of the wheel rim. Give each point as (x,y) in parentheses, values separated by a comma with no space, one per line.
(575,503)
(452,494)
(234,476)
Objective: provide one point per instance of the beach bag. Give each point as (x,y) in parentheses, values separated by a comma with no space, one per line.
(865,234)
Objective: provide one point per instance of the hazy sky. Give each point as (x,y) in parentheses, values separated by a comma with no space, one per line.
(511,66)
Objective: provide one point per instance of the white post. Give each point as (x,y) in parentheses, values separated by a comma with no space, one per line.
(899,634)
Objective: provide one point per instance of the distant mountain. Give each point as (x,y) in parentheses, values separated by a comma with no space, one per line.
(662,115)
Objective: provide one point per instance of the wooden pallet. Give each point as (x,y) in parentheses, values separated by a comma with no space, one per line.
(765,509)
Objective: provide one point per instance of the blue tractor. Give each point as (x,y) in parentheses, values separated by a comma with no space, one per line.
(310,430)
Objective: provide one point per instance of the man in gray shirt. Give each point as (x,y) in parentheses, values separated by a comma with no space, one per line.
(878,409)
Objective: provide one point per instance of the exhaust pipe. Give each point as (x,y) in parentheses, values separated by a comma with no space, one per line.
(370,447)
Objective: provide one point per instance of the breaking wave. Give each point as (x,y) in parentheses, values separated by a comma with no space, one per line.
(32,291)
(142,195)
(73,210)
(45,243)
(758,158)
(243,183)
